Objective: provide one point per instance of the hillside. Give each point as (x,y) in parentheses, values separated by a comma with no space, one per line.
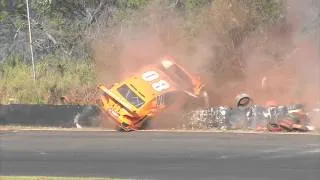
(78,44)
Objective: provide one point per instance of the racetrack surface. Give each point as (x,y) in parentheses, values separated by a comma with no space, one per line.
(161,155)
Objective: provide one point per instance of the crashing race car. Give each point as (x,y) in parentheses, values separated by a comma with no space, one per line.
(165,86)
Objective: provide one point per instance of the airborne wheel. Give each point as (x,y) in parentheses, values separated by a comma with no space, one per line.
(243,100)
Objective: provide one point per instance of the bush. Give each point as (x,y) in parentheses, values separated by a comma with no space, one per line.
(54,79)
(61,28)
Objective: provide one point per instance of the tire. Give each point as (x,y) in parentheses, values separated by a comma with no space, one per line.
(146,125)
(119,129)
(274,127)
(243,100)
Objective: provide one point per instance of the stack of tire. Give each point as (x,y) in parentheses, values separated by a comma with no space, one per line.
(246,115)
(290,118)
(209,118)
(221,117)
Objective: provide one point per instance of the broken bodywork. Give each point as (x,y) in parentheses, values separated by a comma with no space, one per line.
(165,86)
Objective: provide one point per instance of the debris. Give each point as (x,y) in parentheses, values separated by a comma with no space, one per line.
(272,118)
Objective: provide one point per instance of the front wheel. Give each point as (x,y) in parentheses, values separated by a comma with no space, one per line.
(146,124)
(119,129)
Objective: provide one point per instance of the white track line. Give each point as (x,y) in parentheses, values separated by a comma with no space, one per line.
(154,130)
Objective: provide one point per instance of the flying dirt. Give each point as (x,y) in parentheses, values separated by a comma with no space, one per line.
(275,63)
(167,87)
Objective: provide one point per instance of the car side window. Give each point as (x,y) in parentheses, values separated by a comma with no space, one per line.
(167,99)
(182,75)
(159,100)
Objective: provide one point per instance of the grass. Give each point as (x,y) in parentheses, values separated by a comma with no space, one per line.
(51,178)
(57,76)
(54,79)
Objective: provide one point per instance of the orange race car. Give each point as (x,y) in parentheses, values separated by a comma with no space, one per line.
(165,86)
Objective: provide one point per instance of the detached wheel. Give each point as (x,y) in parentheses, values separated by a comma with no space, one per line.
(243,100)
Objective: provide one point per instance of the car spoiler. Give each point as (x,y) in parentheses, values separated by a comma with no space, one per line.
(113,96)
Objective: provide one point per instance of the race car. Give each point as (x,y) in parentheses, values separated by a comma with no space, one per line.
(165,86)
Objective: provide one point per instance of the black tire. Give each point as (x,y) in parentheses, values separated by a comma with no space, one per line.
(243,100)
(119,129)
(272,127)
(146,124)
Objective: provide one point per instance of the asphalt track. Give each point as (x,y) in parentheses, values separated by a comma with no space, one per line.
(161,155)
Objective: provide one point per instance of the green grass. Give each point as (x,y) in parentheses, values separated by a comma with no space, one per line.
(54,79)
(51,178)
(57,76)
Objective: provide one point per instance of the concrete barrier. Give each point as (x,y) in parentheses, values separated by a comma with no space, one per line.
(48,115)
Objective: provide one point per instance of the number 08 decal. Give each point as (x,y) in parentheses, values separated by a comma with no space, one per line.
(159,85)
(150,76)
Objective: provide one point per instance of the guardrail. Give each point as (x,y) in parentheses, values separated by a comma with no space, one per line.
(89,115)
(48,115)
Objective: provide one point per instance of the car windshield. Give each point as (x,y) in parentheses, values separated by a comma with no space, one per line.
(130,96)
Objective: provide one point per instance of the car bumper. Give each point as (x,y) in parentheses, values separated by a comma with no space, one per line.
(121,122)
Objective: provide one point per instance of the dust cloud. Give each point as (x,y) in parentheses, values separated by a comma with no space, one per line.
(279,63)
(291,69)
(142,39)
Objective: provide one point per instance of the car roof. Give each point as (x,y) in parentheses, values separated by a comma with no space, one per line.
(144,88)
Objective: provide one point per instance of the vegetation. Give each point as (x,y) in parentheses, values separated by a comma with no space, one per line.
(63,32)
(54,78)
